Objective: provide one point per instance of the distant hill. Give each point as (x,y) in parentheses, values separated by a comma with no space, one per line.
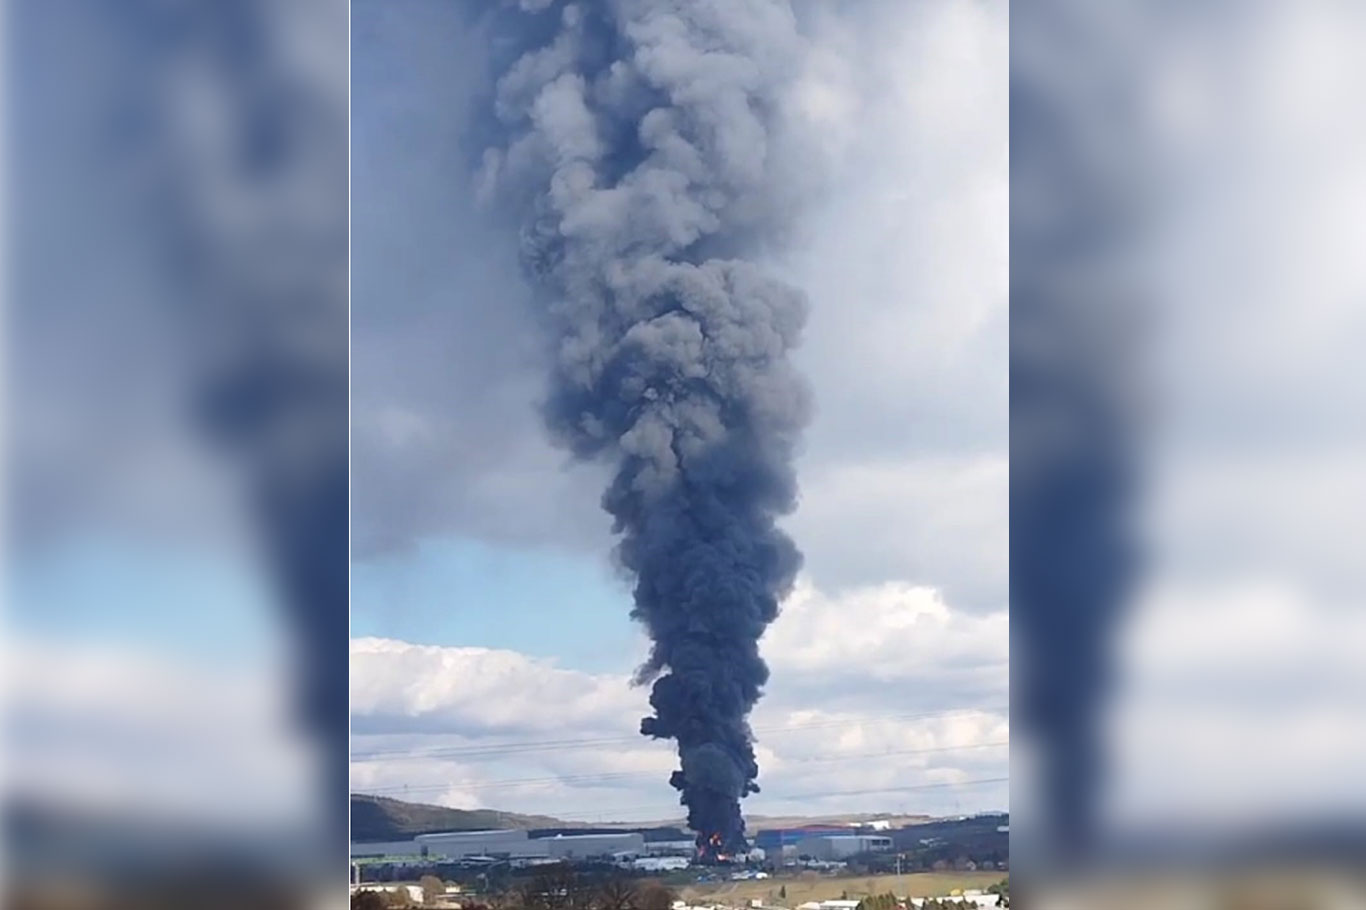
(980,838)
(756,823)
(375,818)
(651,834)
(379,818)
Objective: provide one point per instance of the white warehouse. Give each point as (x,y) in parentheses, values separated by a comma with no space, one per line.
(507,844)
(592,846)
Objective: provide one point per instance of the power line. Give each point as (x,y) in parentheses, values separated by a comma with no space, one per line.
(498,750)
(608,777)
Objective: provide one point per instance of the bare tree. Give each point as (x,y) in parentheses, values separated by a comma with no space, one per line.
(557,887)
(655,896)
(616,893)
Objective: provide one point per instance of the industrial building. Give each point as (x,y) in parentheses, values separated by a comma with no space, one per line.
(671,847)
(774,839)
(376,849)
(593,846)
(661,863)
(841,846)
(505,844)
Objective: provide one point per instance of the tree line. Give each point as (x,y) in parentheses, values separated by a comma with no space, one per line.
(558,887)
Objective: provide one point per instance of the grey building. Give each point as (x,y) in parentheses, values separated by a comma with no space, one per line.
(507,844)
(670,847)
(841,846)
(501,843)
(591,846)
(373,849)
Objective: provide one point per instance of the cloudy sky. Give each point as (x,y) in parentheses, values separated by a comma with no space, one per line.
(491,644)
(492,649)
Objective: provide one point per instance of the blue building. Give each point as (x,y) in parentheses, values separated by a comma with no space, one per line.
(774,839)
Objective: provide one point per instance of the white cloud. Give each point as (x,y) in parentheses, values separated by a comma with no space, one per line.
(480,689)
(150,734)
(894,643)
(904,254)
(473,726)
(937,521)
(1240,702)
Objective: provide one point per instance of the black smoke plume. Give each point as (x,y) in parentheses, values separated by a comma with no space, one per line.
(1075,470)
(263,301)
(637,149)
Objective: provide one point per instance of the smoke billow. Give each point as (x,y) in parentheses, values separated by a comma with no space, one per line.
(1075,372)
(639,153)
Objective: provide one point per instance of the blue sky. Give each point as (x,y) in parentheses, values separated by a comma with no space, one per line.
(152,596)
(443,350)
(543,602)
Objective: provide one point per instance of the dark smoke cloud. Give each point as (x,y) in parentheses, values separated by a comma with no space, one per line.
(1075,366)
(268,322)
(638,152)
(246,217)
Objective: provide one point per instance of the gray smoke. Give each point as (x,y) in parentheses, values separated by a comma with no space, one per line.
(637,150)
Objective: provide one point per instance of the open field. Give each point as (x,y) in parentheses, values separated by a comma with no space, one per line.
(814,887)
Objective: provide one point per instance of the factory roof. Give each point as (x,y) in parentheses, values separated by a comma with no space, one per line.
(482,832)
(820,835)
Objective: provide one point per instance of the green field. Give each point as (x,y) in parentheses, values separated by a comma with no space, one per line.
(814,887)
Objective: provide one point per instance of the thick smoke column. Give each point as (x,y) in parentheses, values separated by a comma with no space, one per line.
(640,152)
(263,300)
(1076,366)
